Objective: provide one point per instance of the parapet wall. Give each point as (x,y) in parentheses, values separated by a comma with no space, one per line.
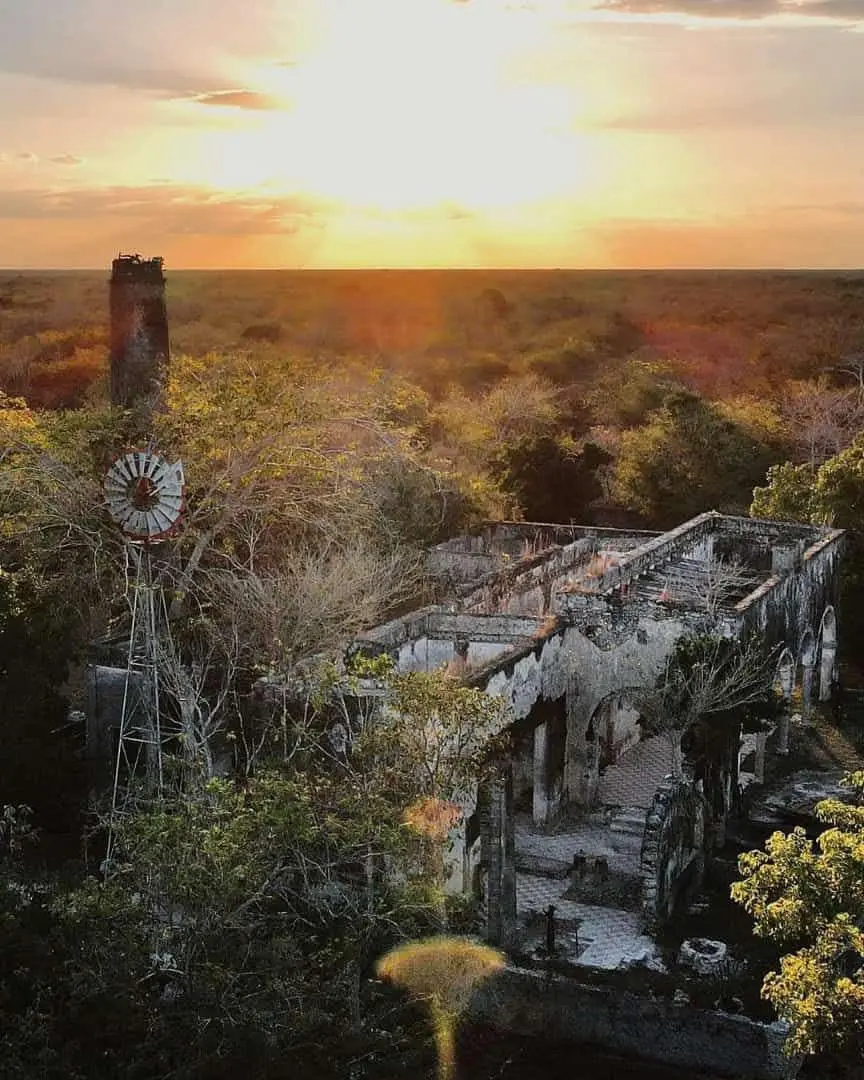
(541,1003)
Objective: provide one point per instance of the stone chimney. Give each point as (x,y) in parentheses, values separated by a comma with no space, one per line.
(139,332)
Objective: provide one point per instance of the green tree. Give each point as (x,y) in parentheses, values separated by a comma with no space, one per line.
(687,458)
(832,494)
(808,898)
(551,478)
(239,921)
(626,392)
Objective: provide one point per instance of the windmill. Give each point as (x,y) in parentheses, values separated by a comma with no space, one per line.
(145,497)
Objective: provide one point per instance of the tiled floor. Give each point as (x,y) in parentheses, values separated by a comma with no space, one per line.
(590,838)
(610,937)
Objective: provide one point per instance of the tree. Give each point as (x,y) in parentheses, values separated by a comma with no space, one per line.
(239,919)
(687,458)
(550,478)
(808,897)
(628,391)
(832,494)
(823,419)
(711,585)
(707,680)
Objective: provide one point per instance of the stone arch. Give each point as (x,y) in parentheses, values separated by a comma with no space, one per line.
(784,677)
(673,848)
(615,725)
(827,654)
(629,763)
(807,659)
(807,648)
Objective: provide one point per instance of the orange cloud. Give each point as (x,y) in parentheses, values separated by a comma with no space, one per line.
(237,99)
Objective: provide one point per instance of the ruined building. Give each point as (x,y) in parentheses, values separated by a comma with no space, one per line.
(139,331)
(565,623)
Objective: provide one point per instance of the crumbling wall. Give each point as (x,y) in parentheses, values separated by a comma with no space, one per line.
(792,602)
(558,1007)
(528,586)
(498,857)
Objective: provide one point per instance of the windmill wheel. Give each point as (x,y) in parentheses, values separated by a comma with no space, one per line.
(145,494)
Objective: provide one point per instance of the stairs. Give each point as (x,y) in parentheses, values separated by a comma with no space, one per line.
(629,821)
(635,777)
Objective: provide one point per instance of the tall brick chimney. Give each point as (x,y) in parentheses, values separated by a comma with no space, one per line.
(139,331)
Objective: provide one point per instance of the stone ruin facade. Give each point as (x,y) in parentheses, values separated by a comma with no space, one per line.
(139,331)
(564,622)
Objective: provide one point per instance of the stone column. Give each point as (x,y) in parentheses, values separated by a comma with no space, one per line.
(807,689)
(541,774)
(499,856)
(783,734)
(759,767)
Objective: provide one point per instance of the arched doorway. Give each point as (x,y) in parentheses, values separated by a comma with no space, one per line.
(630,765)
(827,654)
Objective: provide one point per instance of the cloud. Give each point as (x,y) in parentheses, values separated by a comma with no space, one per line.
(66,159)
(174,209)
(236,99)
(739,115)
(27,155)
(845,11)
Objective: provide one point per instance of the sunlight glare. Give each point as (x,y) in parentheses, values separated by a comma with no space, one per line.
(406,105)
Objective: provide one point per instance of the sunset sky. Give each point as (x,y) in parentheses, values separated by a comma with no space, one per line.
(344,133)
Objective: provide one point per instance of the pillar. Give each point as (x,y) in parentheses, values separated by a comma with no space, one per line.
(759,767)
(807,688)
(783,733)
(498,855)
(541,773)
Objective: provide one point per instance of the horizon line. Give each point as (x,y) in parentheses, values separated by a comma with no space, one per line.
(768,269)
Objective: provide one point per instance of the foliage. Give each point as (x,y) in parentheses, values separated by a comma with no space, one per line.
(243,918)
(809,898)
(687,458)
(551,480)
(711,683)
(832,494)
(625,394)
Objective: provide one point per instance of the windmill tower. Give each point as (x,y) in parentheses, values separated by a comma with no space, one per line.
(145,497)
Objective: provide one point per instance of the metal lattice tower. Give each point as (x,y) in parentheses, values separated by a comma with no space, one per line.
(145,496)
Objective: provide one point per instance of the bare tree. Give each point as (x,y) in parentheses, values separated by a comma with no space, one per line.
(853,365)
(822,419)
(711,585)
(706,676)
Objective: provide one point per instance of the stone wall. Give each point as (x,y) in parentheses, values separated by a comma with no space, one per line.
(533,1002)
(528,587)
(498,858)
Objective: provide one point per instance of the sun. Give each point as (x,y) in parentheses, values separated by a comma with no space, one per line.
(408,104)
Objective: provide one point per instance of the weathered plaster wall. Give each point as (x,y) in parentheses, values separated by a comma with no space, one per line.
(616,727)
(528,586)
(430,653)
(788,605)
(534,1002)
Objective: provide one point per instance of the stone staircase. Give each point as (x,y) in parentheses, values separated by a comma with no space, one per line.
(629,821)
(634,778)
